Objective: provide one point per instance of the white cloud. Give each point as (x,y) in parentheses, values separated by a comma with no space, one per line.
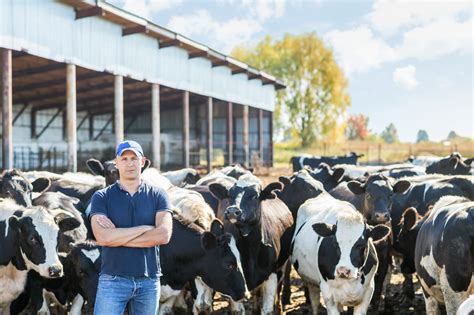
(226,34)
(146,8)
(406,77)
(388,17)
(265,9)
(358,50)
(437,39)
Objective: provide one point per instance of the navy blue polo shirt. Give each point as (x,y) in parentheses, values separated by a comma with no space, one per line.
(125,211)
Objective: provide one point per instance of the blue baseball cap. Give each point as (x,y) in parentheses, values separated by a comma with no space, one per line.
(129,145)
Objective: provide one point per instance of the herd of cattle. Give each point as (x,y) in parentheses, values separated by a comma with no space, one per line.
(341,226)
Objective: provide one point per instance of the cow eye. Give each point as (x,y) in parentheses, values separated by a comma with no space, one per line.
(231,266)
(33,240)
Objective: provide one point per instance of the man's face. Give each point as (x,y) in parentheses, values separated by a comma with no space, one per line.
(129,165)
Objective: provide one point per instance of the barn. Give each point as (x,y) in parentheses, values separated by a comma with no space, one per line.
(77,77)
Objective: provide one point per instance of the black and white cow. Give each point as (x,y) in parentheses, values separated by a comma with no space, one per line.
(299,162)
(467,307)
(333,252)
(261,224)
(373,197)
(444,254)
(28,241)
(16,186)
(193,252)
(329,176)
(235,171)
(453,164)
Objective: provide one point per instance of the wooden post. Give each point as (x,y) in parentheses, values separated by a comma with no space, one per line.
(91,126)
(71,116)
(209,134)
(260,135)
(271,139)
(7,104)
(118,109)
(155,125)
(230,135)
(186,128)
(245,120)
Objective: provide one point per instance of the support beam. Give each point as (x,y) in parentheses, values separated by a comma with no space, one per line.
(22,110)
(198,54)
(134,30)
(83,120)
(71,117)
(260,134)
(230,134)
(245,121)
(33,123)
(31,71)
(49,122)
(271,140)
(209,134)
(91,126)
(239,71)
(186,128)
(118,109)
(104,128)
(155,126)
(130,123)
(219,63)
(54,82)
(89,12)
(7,106)
(169,43)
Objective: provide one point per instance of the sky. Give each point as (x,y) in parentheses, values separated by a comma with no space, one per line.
(407,62)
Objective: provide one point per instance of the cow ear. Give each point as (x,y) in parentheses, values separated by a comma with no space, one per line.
(401,186)
(95,166)
(41,184)
(219,191)
(14,223)
(217,228)
(453,161)
(208,241)
(469,161)
(356,187)
(409,218)
(338,173)
(146,165)
(66,222)
(250,169)
(284,180)
(324,230)
(379,232)
(267,192)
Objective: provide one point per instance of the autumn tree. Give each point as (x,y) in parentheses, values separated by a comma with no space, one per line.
(316,93)
(390,134)
(357,127)
(422,136)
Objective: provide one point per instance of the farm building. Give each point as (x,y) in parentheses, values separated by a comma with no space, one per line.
(77,77)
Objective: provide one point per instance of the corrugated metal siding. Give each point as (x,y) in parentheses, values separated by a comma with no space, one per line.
(48,29)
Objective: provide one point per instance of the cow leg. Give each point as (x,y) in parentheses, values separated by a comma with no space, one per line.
(314,297)
(77,303)
(286,293)
(203,302)
(236,308)
(431,305)
(452,299)
(44,310)
(361,309)
(407,287)
(167,299)
(269,290)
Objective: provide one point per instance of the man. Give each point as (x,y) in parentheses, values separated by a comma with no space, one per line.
(130,219)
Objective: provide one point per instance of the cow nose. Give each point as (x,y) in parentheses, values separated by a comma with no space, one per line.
(55,271)
(233,212)
(343,272)
(381,217)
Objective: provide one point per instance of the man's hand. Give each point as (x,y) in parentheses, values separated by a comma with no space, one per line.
(105,222)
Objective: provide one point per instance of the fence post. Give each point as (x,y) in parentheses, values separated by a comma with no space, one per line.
(380,153)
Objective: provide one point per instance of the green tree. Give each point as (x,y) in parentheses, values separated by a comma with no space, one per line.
(452,135)
(422,136)
(316,94)
(390,134)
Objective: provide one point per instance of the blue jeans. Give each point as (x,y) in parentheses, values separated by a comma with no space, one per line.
(113,293)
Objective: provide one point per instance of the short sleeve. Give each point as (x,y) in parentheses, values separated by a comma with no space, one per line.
(163,201)
(98,204)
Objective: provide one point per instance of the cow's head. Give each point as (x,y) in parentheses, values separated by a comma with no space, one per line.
(245,199)
(15,186)
(345,246)
(378,192)
(108,169)
(222,268)
(328,176)
(410,225)
(451,165)
(191,177)
(83,267)
(297,189)
(38,233)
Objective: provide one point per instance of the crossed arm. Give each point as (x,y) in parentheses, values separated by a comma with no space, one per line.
(108,235)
